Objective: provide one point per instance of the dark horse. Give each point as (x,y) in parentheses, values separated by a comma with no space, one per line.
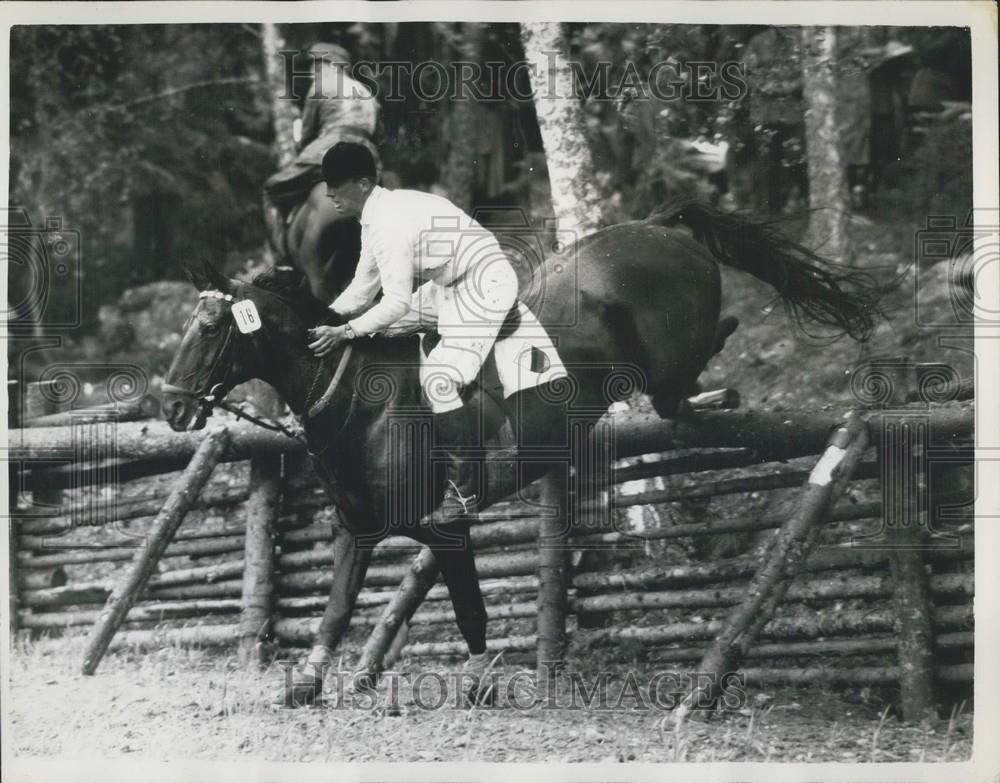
(638,301)
(323,243)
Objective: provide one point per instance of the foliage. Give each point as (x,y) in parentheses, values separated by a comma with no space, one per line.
(145,137)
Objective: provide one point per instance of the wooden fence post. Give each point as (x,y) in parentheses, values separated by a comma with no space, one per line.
(904,436)
(258,558)
(782,561)
(417,582)
(553,572)
(164,527)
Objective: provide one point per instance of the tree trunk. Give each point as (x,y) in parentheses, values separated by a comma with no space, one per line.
(459,176)
(827,165)
(572,176)
(283,111)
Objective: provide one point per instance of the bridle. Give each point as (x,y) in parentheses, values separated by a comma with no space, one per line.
(213,396)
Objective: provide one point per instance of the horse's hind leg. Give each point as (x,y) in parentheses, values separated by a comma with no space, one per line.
(350,566)
(458,569)
(670,396)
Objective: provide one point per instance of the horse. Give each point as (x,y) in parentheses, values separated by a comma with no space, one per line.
(639,301)
(322,243)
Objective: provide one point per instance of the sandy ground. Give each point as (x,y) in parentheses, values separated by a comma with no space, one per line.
(175,704)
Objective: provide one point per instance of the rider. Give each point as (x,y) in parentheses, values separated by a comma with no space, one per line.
(337,107)
(410,237)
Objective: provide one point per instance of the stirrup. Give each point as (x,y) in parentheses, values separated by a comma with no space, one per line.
(465,500)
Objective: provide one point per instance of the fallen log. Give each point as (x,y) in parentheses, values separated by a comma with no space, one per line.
(42,579)
(191,636)
(792,626)
(139,612)
(827,559)
(228,588)
(782,480)
(512,586)
(131,410)
(98,592)
(488,566)
(842,513)
(52,528)
(673,464)
(193,548)
(827,647)
(829,589)
(126,591)
(855,675)
(154,440)
(770,435)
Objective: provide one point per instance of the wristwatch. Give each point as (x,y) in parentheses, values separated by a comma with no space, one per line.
(351,334)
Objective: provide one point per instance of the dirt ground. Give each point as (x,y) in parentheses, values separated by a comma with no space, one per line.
(183,704)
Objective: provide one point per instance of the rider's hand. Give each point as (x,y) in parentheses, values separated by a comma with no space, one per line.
(326,338)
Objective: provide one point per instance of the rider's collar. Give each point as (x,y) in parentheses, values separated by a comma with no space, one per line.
(371,205)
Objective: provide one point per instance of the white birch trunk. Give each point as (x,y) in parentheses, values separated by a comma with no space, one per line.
(572,177)
(827,165)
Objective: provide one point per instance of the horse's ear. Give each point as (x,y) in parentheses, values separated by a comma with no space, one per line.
(197,277)
(214,278)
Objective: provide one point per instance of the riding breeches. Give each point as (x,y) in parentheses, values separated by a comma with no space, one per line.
(468,314)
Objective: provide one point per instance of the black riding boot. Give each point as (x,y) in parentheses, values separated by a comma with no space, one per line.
(461,494)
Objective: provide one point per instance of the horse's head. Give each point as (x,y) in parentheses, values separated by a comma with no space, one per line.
(238,331)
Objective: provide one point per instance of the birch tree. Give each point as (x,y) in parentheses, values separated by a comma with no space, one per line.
(283,111)
(829,197)
(572,176)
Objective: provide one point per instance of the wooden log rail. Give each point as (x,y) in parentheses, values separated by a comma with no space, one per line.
(217,581)
(769,435)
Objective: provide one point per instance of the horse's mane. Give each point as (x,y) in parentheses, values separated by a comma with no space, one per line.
(291,284)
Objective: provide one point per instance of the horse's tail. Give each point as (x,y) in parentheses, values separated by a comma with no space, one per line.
(812,288)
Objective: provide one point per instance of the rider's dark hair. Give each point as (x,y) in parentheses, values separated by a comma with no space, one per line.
(346,161)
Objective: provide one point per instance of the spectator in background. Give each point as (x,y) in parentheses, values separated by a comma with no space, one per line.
(338,108)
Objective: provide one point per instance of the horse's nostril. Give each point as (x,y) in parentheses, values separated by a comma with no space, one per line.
(176,408)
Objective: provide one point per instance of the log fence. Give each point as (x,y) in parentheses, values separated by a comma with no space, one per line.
(246,557)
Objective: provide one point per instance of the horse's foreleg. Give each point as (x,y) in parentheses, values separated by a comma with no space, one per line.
(350,566)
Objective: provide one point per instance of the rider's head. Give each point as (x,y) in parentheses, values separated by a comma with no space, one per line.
(329,53)
(349,171)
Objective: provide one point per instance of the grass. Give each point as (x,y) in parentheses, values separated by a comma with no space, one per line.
(191,704)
